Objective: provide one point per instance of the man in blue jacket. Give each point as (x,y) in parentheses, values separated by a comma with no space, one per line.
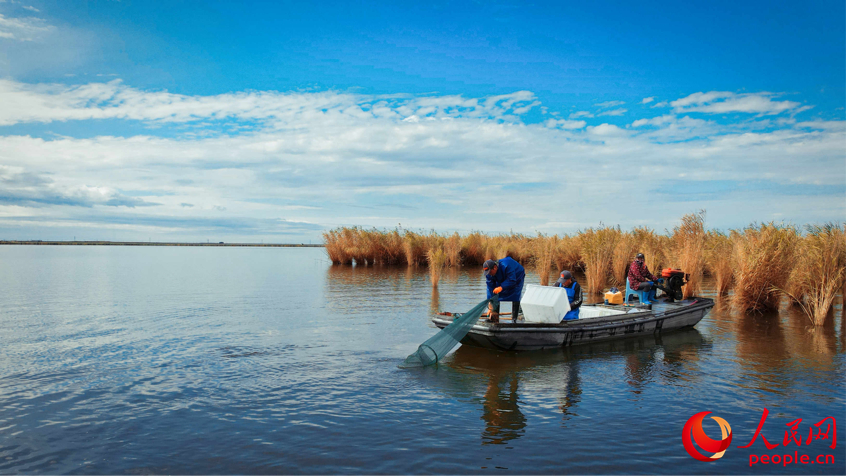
(505,278)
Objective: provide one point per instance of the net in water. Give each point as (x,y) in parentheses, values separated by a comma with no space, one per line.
(437,346)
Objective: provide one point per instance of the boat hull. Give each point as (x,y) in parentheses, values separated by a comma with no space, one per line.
(524,336)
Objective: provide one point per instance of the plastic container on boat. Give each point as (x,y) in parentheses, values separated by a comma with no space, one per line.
(544,304)
(614,298)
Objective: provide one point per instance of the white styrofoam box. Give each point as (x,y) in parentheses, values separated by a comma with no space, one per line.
(586,312)
(544,304)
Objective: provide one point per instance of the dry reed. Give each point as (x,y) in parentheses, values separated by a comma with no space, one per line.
(819,271)
(452,248)
(473,248)
(652,246)
(568,253)
(597,248)
(762,261)
(437,260)
(624,252)
(414,247)
(688,244)
(544,253)
(718,251)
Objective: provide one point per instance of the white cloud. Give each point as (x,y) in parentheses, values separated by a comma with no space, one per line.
(614,112)
(606,130)
(607,104)
(579,114)
(655,121)
(721,102)
(647,100)
(113,100)
(565,124)
(22,29)
(320,159)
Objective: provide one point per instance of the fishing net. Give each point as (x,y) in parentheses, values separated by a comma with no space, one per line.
(439,345)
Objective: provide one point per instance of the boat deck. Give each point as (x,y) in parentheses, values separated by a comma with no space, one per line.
(637,320)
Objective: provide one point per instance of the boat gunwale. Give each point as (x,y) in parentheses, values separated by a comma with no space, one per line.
(585,325)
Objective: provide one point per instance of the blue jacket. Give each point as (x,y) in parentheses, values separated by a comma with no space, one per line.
(510,275)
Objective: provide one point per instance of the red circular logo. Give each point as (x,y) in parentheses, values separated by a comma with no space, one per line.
(693,432)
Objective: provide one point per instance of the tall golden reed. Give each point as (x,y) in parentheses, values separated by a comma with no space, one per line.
(437,260)
(568,253)
(718,251)
(334,248)
(543,249)
(473,248)
(762,261)
(414,247)
(624,253)
(452,248)
(597,248)
(688,244)
(652,246)
(820,270)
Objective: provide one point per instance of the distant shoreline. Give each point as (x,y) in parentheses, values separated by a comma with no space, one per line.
(151,243)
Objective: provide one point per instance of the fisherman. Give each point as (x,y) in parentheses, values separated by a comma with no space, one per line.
(574,294)
(504,278)
(640,279)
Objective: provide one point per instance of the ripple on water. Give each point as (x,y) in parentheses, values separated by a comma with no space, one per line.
(133,360)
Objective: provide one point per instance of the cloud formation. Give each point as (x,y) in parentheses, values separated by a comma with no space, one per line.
(607,104)
(309,161)
(721,102)
(613,112)
(22,29)
(22,188)
(113,100)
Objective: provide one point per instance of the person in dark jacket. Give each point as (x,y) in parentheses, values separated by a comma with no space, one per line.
(640,279)
(574,294)
(505,278)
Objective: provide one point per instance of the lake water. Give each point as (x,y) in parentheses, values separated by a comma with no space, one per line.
(270,360)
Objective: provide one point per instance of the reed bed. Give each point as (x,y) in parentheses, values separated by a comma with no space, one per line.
(544,248)
(760,263)
(718,252)
(473,248)
(688,245)
(820,270)
(597,251)
(624,253)
(437,260)
(568,253)
(652,246)
(762,260)
(452,249)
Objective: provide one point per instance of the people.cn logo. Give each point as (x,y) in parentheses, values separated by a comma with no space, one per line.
(693,432)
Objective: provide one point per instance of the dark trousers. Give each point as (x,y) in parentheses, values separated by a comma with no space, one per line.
(515,308)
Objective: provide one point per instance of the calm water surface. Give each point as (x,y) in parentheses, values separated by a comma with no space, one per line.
(252,360)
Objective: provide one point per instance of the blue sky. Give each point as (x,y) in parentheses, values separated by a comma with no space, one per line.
(273,121)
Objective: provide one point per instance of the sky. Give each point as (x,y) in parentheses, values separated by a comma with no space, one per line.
(276,121)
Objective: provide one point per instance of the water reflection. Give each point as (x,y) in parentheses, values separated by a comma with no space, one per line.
(571,394)
(499,376)
(500,402)
(435,302)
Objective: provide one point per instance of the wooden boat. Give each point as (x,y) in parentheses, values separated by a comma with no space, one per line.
(597,322)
